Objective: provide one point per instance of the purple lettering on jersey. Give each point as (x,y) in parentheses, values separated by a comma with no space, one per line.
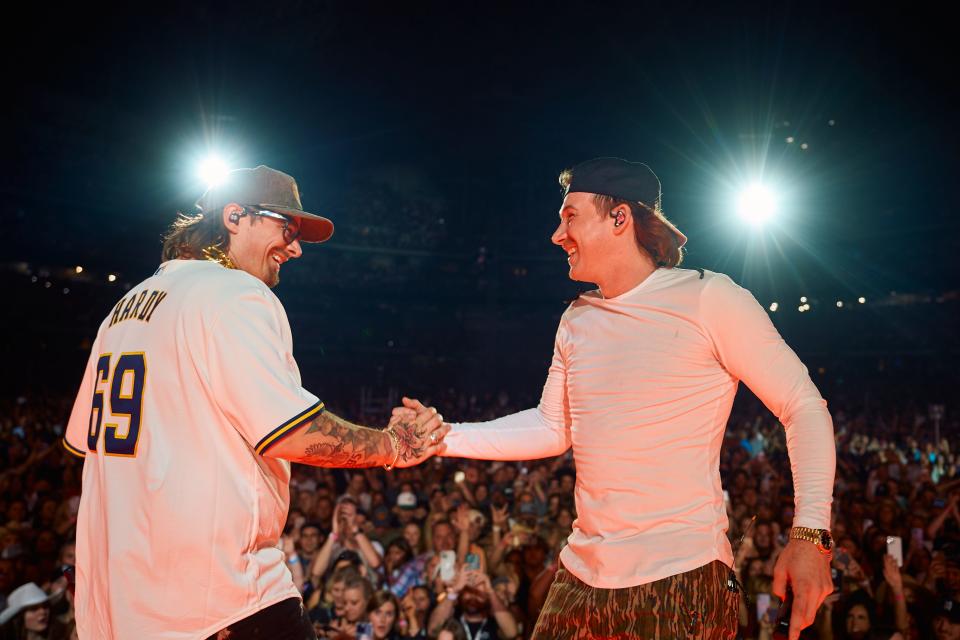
(160,297)
(115,318)
(146,307)
(136,307)
(127,308)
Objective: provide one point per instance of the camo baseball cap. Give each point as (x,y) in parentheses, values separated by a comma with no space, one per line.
(271,190)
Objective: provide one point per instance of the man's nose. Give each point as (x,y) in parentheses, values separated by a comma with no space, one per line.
(294,249)
(559,235)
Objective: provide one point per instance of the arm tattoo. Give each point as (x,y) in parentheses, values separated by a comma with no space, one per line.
(331,441)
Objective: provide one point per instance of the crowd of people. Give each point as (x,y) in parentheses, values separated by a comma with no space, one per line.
(468,549)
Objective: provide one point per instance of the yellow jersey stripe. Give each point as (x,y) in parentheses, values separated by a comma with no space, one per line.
(288,427)
(72,449)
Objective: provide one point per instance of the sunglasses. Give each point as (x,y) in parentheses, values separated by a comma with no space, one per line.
(291,230)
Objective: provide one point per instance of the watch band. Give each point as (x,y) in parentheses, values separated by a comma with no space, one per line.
(819,537)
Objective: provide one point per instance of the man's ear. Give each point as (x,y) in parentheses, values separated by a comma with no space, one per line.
(622,219)
(231,217)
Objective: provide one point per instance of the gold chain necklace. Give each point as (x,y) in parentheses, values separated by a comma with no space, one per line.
(215,254)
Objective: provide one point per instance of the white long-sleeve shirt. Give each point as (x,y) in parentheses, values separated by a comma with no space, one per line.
(641,387)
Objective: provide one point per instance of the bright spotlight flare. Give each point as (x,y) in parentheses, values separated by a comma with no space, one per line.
(213,171)
(756,205)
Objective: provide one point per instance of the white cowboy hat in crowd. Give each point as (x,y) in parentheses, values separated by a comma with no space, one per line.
(23,597)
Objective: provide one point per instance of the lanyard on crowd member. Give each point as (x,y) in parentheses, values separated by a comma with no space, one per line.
(466,629)
(744,536)
(733,583)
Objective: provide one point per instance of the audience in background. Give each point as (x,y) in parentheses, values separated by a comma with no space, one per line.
(459,548)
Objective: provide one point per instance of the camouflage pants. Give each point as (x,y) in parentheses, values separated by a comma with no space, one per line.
(695,604)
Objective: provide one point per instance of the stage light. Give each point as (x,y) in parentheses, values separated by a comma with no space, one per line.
(839,304)
(78,269)
(790,139)
(802,308)
(213,170)
(756,204)
(803,298)
(774,306)
(111,278)
(861,300)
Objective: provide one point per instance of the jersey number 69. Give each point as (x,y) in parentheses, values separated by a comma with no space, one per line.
(123,404)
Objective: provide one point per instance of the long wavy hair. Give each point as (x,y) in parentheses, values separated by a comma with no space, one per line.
(189,235)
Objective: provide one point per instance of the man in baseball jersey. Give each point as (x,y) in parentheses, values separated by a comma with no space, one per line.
(189,414)
(644,373)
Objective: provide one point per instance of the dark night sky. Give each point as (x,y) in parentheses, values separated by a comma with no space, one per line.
(108,111)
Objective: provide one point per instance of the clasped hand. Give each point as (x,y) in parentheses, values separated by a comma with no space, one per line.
(419,431)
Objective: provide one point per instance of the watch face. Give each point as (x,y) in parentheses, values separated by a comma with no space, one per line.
(825,540)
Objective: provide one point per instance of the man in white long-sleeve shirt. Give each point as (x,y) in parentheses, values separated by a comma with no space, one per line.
(643,377)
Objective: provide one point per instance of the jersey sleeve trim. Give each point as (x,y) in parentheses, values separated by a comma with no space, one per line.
(288,427)
(72,449)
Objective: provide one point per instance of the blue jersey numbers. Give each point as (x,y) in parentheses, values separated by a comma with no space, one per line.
(117,406)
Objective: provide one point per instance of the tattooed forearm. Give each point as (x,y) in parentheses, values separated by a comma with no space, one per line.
(331,441)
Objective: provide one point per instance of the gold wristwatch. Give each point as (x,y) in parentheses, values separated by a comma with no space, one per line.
(819,537)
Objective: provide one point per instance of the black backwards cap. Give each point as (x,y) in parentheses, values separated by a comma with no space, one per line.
(623,180)
(620,179)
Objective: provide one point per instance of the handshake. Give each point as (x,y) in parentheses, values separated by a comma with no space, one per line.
(416,433)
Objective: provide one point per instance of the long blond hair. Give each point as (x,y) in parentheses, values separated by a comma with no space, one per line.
(188,236)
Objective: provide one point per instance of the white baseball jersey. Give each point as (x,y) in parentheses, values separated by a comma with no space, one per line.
(191,379)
